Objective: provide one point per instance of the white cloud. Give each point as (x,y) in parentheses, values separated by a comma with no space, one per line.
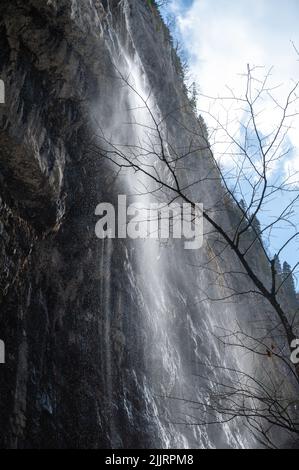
(223,36)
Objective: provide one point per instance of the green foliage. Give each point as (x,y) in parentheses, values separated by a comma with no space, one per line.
(289,282)
(256,226)
(179,56)
(278,267)
(203,127)
(243,206)
(157,3)
(193,96)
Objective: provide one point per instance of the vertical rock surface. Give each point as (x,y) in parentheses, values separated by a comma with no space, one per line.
(93,330)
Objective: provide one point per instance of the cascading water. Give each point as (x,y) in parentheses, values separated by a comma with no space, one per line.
(178,330)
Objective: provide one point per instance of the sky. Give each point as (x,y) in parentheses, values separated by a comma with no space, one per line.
(221,37)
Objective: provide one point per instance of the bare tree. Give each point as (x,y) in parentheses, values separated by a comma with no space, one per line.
(245,172)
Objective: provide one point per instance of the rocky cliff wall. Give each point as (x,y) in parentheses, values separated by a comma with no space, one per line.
(93,331)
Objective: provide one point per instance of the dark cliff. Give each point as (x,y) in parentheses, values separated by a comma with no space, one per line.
(89,337)
(53,391)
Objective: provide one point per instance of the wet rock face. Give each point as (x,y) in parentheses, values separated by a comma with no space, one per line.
(68,339)
(43,128)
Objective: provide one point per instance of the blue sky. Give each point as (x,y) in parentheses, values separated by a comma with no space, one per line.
(221,37)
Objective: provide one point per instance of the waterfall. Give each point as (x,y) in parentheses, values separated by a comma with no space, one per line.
(161,279)
(175,355)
